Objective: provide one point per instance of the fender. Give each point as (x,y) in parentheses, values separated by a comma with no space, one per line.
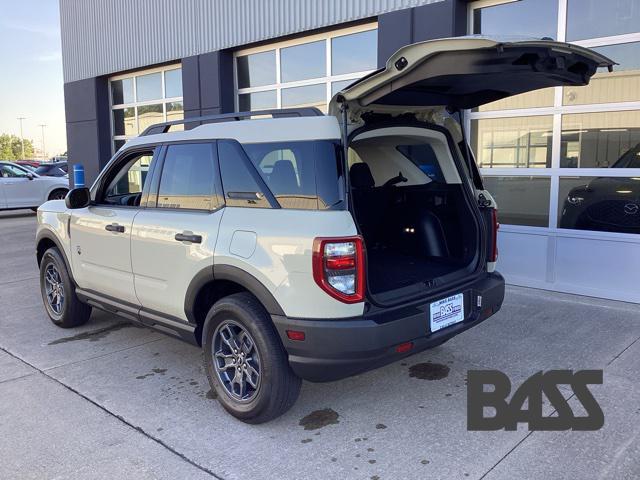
(233,274)
(50,235)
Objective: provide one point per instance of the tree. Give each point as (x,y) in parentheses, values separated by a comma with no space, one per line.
(11,147)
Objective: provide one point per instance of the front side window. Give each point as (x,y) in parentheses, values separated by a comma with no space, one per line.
(12,171)
(188,177)
(126,184)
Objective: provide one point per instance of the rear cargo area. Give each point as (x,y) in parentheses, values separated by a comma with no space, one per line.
(408,199)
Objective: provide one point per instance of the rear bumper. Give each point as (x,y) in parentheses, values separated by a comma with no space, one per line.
(338,348)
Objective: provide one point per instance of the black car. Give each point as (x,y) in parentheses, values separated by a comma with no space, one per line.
(606,204)
(52,169)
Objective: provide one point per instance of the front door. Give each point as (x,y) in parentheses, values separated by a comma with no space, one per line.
(20,188)
(174,238)
(101,232)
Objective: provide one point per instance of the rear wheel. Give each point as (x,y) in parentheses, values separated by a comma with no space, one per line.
(58,293)
(58,194)
(245,361)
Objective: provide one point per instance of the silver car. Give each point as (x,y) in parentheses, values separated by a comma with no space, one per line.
(21,188)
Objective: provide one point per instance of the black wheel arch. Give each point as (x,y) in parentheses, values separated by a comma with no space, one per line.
(215,282)
(45,240)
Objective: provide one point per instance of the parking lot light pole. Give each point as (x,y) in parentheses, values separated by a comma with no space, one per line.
(44,152)
(20,119)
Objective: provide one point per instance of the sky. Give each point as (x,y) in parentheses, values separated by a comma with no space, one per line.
(31,82)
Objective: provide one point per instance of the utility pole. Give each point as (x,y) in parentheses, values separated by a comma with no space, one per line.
(44,153)
(20,119)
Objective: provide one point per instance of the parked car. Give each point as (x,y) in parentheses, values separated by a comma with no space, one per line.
(22,188)
(30,164)
(606,204)
(314,247)
(52,169)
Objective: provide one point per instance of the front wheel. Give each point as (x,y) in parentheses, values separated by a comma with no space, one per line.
(58,194)
(245,361)
(58,293)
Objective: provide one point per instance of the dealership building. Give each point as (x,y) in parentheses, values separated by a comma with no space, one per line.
(129,64)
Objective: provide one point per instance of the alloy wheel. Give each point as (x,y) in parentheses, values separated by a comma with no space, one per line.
(54,289)
(237,361)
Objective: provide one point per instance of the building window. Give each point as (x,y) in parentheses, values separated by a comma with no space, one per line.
(140,99)
(565,157)
(304,72)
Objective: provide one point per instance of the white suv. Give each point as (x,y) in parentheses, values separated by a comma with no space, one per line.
(303,246)
(21,188)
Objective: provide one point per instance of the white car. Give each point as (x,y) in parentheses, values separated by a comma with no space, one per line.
(21,188)
(311,247)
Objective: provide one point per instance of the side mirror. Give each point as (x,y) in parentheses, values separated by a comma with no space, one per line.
(78,198)
(30,176)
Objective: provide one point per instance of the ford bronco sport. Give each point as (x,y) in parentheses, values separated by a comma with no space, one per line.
(303,246)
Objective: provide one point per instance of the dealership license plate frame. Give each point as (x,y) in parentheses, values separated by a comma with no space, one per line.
(446,312)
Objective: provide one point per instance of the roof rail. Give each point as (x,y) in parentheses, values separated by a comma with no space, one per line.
(230,117)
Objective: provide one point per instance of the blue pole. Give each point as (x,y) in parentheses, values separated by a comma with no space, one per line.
(78,175)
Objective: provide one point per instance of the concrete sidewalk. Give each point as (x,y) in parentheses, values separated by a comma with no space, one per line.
(110,400)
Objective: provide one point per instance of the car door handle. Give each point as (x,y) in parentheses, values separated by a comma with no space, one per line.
(114,227)
(188,237)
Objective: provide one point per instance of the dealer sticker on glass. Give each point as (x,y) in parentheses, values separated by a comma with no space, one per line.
(446,312)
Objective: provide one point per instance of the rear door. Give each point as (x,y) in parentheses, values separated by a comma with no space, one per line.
(173,238)
(464,72)
(101,232)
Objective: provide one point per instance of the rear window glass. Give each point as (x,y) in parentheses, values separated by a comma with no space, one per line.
(301,175)
(423,157)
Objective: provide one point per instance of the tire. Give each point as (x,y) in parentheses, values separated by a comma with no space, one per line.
(59,295)
(58,194)
(276,387)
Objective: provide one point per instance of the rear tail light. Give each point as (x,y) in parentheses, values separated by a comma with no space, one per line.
(494,235)
(338,267)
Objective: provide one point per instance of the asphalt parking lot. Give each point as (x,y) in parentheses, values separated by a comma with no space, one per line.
(111,400)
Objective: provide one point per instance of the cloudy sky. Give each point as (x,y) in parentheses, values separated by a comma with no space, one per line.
(31,72)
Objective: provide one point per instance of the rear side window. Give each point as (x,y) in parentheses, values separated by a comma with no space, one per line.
(423,157)
(301,175)
(241,189)
(188,177)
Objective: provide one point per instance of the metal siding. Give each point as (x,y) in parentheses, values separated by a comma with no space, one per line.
(102,37)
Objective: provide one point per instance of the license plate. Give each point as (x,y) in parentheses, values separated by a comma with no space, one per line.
(446,312)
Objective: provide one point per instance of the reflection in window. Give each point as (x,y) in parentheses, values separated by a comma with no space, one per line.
(523,142)
(621,85)
(339,86)
(257,101)
(122,91)
(292,171)
(595,18)
(188,178)
(521,200)
(307,96)
(149,87)
(256,69)
(599,140)
(606,204)
(302,62)
(173,83)
(241,188)
(175,111)
(149,115)
(124,121)
(357,52)
(528,18)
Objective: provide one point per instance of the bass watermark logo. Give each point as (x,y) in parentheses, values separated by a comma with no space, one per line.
(508,413)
